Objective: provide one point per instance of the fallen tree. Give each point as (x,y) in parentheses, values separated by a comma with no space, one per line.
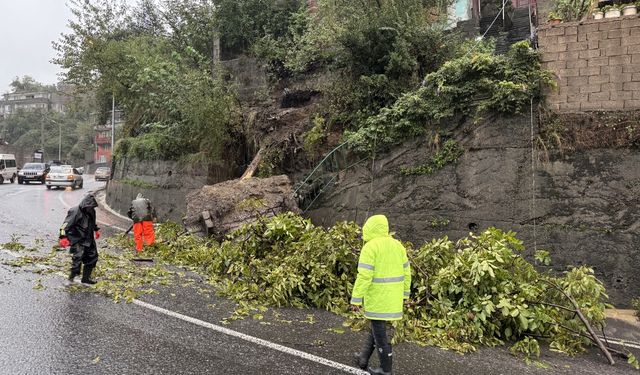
(478,290)
(226,206)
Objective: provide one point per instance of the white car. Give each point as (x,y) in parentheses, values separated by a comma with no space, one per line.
(63,176)
(8,168)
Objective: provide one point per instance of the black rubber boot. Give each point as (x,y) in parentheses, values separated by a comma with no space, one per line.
(72,276)
(86,275)
(386,363)
(362,358)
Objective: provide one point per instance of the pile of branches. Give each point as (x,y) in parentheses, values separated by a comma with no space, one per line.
(476,291)
(279,261)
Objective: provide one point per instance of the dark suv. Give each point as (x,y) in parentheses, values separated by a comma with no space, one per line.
(33,172)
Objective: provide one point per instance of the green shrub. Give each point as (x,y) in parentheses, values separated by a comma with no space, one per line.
(315,136)
(158,144)
(449,153)
(469,85)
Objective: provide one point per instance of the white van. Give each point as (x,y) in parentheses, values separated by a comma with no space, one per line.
(8,169)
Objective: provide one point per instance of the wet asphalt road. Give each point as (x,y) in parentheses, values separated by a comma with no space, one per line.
(52,331)
(33,212)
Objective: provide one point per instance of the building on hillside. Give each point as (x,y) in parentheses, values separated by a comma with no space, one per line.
(54,100)
(102,139)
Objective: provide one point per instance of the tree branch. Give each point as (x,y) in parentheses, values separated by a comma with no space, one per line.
(552,305)
(584,320)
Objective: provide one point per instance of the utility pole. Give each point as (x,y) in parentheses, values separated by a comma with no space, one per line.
(113,123)
(42,138)
(59,138)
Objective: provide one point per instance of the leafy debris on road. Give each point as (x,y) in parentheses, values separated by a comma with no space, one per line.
(476,291)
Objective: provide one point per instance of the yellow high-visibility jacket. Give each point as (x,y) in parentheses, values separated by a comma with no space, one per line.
(384,274)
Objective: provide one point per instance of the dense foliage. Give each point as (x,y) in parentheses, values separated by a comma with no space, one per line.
(468,85)
(475,291)
(570,10)
(282,261)
(376,49)
(155,59)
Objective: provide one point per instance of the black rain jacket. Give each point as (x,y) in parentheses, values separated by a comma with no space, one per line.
(80,223)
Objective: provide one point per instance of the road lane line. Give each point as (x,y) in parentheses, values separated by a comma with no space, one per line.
(111,225)
(102,201)
(17,192)
(63,202)
(255,340)
(99,221)
(630,344)
(10,253)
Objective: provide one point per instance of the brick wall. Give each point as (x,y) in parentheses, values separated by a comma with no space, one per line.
(596,63)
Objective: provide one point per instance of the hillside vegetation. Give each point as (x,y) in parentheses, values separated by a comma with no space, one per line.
(397,71)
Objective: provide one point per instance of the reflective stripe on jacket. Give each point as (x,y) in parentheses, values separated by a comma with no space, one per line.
(384,274)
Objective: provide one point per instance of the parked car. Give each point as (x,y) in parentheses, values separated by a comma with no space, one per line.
(33,172)
(102,174)
(8,168)
(56,162)
(63,176)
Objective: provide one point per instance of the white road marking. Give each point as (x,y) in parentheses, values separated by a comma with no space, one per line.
(63,202)
(10,253)
(102,201)
(111,225)
(255,340)
(629,344)
(14,193)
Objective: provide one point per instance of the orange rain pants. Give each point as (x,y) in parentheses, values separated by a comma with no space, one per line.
(143,230)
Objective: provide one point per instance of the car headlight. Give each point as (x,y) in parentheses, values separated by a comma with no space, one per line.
(39,173)
(21,173)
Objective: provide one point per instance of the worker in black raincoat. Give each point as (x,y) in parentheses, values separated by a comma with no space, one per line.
(80,231)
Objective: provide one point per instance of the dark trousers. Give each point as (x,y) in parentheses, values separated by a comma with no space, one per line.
(81,254)
(377,339)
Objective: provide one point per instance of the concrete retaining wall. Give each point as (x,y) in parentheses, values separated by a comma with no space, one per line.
(580,207)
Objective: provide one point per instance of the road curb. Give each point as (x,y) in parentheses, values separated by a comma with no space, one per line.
(102,202)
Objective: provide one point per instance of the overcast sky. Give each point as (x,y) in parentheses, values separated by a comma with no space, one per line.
(27,28)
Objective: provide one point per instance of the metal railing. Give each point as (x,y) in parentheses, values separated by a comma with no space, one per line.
(322,171)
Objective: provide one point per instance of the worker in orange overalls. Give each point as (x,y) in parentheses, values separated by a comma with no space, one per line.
(142,215)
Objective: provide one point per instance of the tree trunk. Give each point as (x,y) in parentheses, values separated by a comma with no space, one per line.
(251,169)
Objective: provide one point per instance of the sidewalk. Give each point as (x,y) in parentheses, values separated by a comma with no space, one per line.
(623,325)
(107,216)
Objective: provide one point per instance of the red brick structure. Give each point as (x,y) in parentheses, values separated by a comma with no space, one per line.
(596,63)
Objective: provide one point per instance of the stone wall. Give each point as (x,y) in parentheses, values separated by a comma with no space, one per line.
(596,63)
(580,207)
(165,183)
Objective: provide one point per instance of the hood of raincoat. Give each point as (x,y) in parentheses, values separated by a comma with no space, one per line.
(376,226)
(88,202)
